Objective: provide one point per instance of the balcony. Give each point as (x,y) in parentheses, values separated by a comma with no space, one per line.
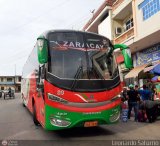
(117,4)
(125,36)
(121,8)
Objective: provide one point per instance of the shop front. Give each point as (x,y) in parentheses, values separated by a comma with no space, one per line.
(144,61)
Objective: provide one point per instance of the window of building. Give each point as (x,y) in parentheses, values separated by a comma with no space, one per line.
(19,88)
(104,17)
(2,79)
(149,8)
(9,79)
(2,88)
(19,79)
(129,24)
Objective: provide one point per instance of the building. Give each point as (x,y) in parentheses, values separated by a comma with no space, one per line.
(134,23)
(14,82)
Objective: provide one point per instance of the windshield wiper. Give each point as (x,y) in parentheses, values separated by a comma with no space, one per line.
(77,76)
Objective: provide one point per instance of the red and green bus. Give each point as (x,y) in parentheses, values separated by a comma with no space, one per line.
(71,79)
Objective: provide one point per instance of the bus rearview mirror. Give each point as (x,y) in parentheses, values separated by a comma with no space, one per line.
(126,54)
(42,50)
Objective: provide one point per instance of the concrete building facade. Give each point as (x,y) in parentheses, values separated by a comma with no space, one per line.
(14,82)
(131,22)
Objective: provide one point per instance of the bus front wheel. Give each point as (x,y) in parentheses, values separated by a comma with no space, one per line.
(23,105)
(34,116)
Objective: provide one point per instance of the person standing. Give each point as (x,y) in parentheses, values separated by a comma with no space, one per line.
(151,108)
(132,101)
(145,93)
(154,93)
(124,93)
(137,92)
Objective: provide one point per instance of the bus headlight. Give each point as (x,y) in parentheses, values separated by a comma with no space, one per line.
(56,98)
(59,122)
(115,116)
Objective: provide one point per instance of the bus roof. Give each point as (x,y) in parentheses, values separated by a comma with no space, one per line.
(45,34)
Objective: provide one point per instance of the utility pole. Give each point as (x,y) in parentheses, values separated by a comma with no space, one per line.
(15,69)
(15,77)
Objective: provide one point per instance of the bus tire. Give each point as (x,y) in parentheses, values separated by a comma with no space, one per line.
(34,116)
(23,104)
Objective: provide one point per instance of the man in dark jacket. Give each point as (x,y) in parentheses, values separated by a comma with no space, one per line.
(132,101)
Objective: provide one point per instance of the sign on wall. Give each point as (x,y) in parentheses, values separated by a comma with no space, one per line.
(148,55)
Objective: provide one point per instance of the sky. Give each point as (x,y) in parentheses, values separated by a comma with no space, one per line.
(22,21)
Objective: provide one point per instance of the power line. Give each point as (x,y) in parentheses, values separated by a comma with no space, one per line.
(16,54)
(36,18)
(78,20)
(40,16)
(13,61)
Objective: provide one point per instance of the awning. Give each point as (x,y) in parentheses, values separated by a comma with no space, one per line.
(147,69)
(156,70)
(135,72)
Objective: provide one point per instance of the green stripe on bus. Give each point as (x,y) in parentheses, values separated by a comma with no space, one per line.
(77,119)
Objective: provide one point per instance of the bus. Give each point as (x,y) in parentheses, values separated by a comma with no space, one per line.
(71,79)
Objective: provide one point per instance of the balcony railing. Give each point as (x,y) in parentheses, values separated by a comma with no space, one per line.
(126,35)
(117,4)
(7,83)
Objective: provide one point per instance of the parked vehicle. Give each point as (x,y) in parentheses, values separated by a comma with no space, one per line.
(9,93)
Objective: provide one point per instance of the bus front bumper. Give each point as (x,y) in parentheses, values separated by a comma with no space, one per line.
(57,119)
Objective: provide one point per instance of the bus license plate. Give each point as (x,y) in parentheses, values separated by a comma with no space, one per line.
(91,124)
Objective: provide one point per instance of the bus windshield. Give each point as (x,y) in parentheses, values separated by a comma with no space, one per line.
(81,56)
